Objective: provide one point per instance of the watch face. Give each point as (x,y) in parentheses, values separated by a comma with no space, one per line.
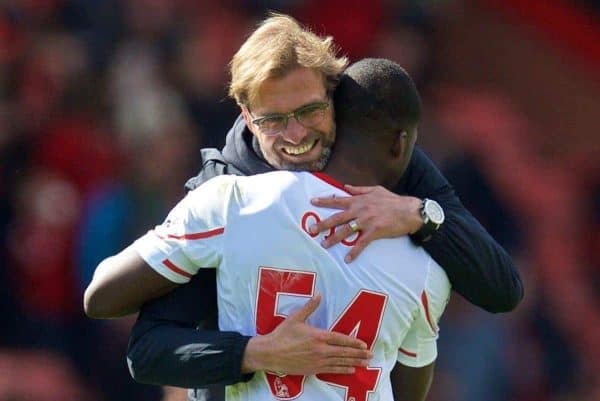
(434,211)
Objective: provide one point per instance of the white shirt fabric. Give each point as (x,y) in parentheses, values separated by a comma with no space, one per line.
(254,230)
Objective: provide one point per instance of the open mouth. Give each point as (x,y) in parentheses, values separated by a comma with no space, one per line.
(300,150)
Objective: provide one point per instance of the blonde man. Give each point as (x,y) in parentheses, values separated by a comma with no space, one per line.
(285,68)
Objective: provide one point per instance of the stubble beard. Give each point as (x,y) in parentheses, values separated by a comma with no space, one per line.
(315,165)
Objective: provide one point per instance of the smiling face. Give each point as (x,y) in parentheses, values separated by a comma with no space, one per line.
(296,147)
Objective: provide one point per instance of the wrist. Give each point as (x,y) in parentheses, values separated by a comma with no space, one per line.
(432,217)
(253,359)
(415,219)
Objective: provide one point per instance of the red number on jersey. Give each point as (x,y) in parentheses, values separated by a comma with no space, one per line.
(271,283)
(361,318)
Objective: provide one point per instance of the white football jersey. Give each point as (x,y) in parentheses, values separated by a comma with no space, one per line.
(254,230)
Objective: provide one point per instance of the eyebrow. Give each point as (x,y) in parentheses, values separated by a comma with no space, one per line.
(276,114)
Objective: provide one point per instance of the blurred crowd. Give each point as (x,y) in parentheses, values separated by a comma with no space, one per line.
(104,105)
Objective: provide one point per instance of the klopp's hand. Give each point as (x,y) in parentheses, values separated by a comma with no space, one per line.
(295,347)
(374,211)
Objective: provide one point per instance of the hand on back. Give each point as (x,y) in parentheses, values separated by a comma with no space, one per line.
(295,347)
(374,211)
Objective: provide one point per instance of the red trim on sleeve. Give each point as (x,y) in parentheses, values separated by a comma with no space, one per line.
(200,235)
(426,305)
(176,269)
(405,352)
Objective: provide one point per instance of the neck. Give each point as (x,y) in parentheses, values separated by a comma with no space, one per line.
(354,174)
(349,165)
(352,165)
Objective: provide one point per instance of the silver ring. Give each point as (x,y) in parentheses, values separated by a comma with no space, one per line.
(354,226)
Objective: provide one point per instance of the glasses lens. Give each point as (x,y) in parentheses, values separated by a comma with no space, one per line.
(271,125)
(308,116)
(311,115)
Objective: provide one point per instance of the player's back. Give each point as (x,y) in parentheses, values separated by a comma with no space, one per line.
(390,297)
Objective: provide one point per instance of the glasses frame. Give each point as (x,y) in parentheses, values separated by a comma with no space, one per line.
(257,121)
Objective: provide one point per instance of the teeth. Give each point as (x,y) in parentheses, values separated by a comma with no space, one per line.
(298,150)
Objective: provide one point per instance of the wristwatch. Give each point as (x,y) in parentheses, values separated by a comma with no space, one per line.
(433,218)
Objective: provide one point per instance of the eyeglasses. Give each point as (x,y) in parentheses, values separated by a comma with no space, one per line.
(308,116)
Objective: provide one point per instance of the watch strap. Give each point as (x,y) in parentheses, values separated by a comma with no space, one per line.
(428,228)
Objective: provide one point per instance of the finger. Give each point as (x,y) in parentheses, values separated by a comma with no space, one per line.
(341,232)
(344,370)
(348,362)
(334,220)
(334,202)
(306,310)
(343,340)
(348,353)
(358,190)
(360,245)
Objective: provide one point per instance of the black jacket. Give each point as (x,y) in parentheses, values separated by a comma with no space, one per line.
(165,347)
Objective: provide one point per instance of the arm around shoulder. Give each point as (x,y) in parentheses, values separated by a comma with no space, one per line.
(176,354)
(478,267)
(165,346)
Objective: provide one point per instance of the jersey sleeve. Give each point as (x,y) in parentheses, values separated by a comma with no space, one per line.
(419,347)
(193,234)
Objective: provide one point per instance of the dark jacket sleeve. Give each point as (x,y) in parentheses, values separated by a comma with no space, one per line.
(167,348)
(175,340)
(477,266)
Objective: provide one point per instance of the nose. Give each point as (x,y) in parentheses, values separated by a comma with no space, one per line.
(295,132)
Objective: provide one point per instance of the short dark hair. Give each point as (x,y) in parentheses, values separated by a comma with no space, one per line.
(376,95)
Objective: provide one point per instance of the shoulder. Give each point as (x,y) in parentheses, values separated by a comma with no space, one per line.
(225,189)
(417,270)
(436,274)
(216,186)
(437,288)
(209,198)
(272,182)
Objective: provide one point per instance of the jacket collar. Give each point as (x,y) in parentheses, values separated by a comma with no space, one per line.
(242,150)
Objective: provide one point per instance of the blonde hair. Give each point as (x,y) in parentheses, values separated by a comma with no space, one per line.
(279,45)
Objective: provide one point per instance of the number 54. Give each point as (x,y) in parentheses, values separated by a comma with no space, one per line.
(362,318)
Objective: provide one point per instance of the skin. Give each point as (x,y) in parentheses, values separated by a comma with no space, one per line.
(411,384)
(298,88)
(121,284)
(364,207)
(292,335)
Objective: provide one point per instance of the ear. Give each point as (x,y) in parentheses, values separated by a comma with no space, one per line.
(399,144)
